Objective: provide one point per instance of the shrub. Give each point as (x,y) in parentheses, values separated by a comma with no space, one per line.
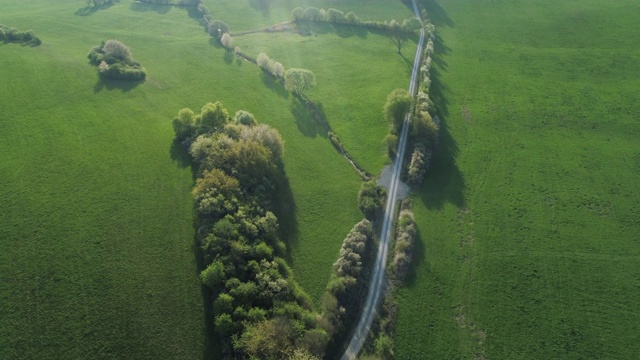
(114,61)
(245,118)
(371,199)
(226,40)
(217,28)
(420,161)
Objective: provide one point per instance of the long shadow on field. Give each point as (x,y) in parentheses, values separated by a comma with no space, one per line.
(417,259)
(143,7)
(125,86)
(284,208)
(263,6)
(274,84)
(305,120)
(180,155)
(90,10)
(435,12)
(444,182)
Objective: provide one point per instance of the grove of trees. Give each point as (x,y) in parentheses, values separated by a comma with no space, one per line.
(299,80)
(259,310)
(11,34)
(114,61)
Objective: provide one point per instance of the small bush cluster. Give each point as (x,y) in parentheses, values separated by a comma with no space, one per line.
(406,234)
(11,34)
(115,62)
(269,65)
(334,16)
(371,199)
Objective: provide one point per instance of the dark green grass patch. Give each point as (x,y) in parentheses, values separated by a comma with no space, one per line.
(529,215)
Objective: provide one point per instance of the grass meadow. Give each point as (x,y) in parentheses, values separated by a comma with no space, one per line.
(529,217)
(96,239)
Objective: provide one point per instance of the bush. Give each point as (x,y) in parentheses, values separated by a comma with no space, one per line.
(12,34)
(114,62)
(371,199)
(217,28)
(226,41)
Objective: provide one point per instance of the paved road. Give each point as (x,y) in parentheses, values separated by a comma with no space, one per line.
(376,287)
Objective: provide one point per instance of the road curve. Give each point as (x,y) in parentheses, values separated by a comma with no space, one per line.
(376,286)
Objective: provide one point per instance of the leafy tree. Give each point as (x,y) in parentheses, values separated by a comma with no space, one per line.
(213,275)
(396,107)
(371,198)
(184,123)
(297,14)
(217,28)
(213,117)
(267,136)
(299,80)
(117,50)
(245,118)
(397,35)
(313,14)
(335,16)
(226,40)
(225,325)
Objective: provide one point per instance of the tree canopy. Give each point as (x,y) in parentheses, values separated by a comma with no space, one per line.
(299,80)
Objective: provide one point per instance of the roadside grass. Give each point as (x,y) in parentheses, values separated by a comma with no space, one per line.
(529,216)
(96,239)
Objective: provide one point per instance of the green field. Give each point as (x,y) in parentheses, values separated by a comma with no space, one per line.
(96,240)
(529,217)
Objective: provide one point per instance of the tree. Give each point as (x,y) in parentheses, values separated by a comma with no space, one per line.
(117,50)
(371,198)
(397,35)
(213,117)
(297,14)
(298,80)
(184,124)
(267,136)
(226,40)
(217,28)
(245,118)
(396,107)
(213,274)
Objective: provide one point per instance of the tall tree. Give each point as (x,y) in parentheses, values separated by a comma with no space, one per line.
(299,80)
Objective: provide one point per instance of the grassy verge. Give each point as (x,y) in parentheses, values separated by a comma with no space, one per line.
(528,216)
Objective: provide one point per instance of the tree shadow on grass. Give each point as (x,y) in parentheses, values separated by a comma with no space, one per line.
(305,120)
(274,84)
(109,85)
(264,6)
(417,259)
(444,182)
(144,7)
(438,15)
(90,10)
(180,155)
(308,28)
(284,208)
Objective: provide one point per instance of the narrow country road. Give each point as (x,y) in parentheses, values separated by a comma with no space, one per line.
(376,286)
